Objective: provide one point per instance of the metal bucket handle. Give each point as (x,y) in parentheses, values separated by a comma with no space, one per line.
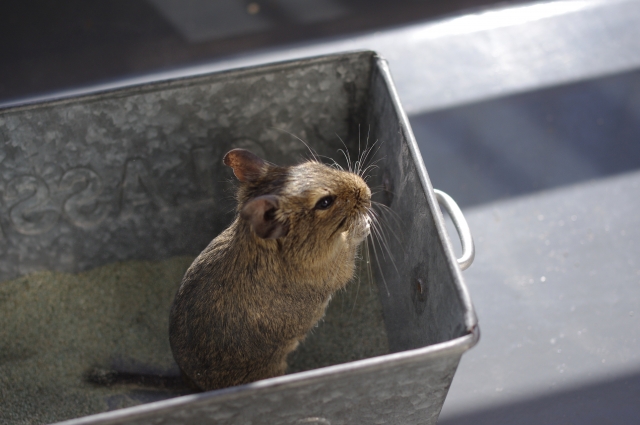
(468,249)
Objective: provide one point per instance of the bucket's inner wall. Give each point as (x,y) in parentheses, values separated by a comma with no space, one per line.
(137,174)
(420,297)
(108,199)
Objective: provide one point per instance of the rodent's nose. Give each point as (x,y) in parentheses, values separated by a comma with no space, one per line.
(363,197)
(363,193)
(366,195)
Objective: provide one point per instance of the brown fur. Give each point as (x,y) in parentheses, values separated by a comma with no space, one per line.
(254,293)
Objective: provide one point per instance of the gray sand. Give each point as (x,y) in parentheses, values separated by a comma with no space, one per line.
(56,326)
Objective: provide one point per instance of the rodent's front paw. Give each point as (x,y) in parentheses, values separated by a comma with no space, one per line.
(362,229)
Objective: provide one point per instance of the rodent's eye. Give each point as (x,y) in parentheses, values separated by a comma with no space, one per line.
(324,203)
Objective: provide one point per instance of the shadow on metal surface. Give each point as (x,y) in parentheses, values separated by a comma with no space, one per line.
(612,402)
(47,48)
(533,141)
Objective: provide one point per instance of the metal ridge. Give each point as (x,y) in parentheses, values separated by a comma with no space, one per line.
(454,346)
(172,81)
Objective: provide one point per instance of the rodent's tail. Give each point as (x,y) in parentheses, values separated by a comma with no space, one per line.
(108,378)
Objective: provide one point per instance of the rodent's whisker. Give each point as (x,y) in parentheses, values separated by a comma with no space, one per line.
(364,265)
(368,262)
(369,154)
(378,187)
(384,208)
(380,231)
(375,230)
(359,156)
(355,299)
(345,152)
(384,211)
(385,246)
(333,162)
(365,155)
(380,220)
(313,152)
(370,167)
(382,238)
(375,254)
(347,157)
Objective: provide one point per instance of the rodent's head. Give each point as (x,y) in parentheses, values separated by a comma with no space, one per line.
(309,204)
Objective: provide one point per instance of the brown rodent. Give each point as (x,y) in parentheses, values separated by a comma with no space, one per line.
(254,293)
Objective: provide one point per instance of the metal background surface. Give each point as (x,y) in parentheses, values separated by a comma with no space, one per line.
(549,183)
(556,286)
(129,174)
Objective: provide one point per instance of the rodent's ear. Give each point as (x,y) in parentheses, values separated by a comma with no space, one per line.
(260,212)
(246,165)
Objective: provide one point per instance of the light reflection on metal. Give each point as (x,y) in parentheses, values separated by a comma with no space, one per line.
(492,19)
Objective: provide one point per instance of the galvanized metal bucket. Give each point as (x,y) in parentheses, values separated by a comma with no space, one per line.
(136,174)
